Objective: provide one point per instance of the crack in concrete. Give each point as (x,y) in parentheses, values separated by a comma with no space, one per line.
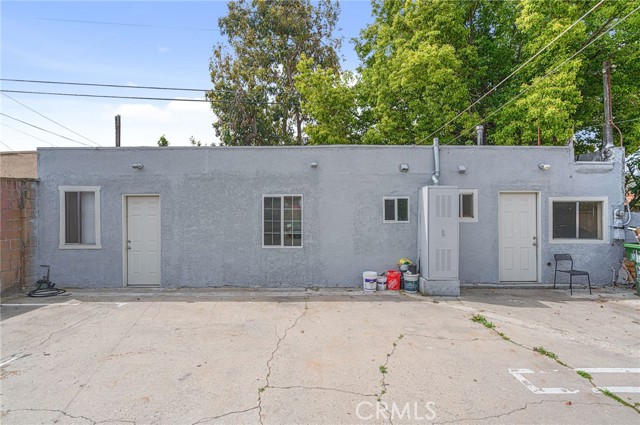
(62,412)
(453,339)
(546,353)
(519,409)
(293,387)
(273,353)
(383,382)
(70,326)
(211,418)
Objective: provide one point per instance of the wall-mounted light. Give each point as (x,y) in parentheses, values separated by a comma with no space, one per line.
(137,166)
(544,167)
(404,167)
(462,169)
(314,165)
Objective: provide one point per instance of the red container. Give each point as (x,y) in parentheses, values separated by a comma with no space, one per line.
(393,280)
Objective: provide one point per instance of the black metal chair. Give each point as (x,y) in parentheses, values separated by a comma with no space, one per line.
(571,271)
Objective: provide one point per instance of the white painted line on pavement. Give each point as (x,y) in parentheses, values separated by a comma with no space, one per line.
(617,389)
(35,304)
(19,356)
(609,369)
(517,373)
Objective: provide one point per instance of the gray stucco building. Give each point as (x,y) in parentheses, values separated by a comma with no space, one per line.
(316,216)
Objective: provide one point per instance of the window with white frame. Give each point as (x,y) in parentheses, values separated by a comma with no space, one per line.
(80,217)
(468,205)
(577,219)
(282,221)
(396,210)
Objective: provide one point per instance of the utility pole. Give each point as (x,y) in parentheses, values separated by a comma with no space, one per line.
(607,133)
(117,131)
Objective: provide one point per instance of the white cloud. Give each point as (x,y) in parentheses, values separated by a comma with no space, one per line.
(144,123)
(162,49)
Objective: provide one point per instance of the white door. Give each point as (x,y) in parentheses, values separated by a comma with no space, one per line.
(518,237)
(143,240)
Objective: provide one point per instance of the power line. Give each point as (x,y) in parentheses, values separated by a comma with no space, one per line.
(139,97)
(78,21)
(8,147)
(551,72)
(513,73)
(104,85)
(27,134)
(45,130)
(53,121)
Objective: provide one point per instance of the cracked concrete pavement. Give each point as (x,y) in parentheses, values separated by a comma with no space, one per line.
(327,356)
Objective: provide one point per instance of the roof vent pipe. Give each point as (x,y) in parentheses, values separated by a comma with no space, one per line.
(436,161)
(480,131)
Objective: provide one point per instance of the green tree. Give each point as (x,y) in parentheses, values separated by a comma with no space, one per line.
(329,98)
(194,142)
(254,96)
(163,142)
(439,67)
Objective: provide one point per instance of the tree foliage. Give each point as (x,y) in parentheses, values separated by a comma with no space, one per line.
(254,96)
(423,63)
(163,142)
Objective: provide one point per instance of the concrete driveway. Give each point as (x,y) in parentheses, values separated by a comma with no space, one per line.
(328,356)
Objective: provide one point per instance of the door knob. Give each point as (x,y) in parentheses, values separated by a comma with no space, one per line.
(128,246)
(535,244)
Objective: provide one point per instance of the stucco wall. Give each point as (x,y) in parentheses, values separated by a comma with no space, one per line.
(211,209)
(19,164)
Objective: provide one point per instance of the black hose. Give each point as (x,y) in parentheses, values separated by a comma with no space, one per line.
(45,292)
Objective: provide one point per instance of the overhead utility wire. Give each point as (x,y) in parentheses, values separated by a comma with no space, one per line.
(101,85)
(551,72)
(45,130)
(136,97)
(513,73)
(27,134)
(53,121)
(8,147)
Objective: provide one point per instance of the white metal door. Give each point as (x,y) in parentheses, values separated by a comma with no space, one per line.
(518,237)
(143,240)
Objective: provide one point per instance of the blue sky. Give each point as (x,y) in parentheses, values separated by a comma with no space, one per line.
(166,44)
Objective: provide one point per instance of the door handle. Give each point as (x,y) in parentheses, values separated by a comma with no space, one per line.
(128,246)
(535,244)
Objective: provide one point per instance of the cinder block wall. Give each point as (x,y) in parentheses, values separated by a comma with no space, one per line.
(17,234)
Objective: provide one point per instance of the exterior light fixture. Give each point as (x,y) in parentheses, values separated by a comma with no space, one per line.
(462,169)
(314,165)
(137,166)
(544,167)
(404,167)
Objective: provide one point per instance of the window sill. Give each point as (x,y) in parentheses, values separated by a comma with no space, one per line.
(576,241)
(79,246)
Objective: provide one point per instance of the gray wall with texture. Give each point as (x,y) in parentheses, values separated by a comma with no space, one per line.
(211,210)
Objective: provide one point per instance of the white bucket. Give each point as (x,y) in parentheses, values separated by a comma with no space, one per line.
(411,282)
(369,280)
(382,283)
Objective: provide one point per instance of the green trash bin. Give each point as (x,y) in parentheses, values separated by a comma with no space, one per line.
(633,254)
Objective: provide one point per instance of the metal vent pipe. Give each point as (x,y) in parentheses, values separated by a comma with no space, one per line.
(480,131)
(436,161)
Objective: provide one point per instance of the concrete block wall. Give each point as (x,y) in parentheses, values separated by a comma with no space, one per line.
(17,234)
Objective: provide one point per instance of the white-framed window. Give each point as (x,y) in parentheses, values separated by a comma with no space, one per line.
(578,219)
(79,217)
(396,210)
(468,205)
(282,221)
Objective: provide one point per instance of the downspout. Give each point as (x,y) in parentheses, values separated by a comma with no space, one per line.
(436,162)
